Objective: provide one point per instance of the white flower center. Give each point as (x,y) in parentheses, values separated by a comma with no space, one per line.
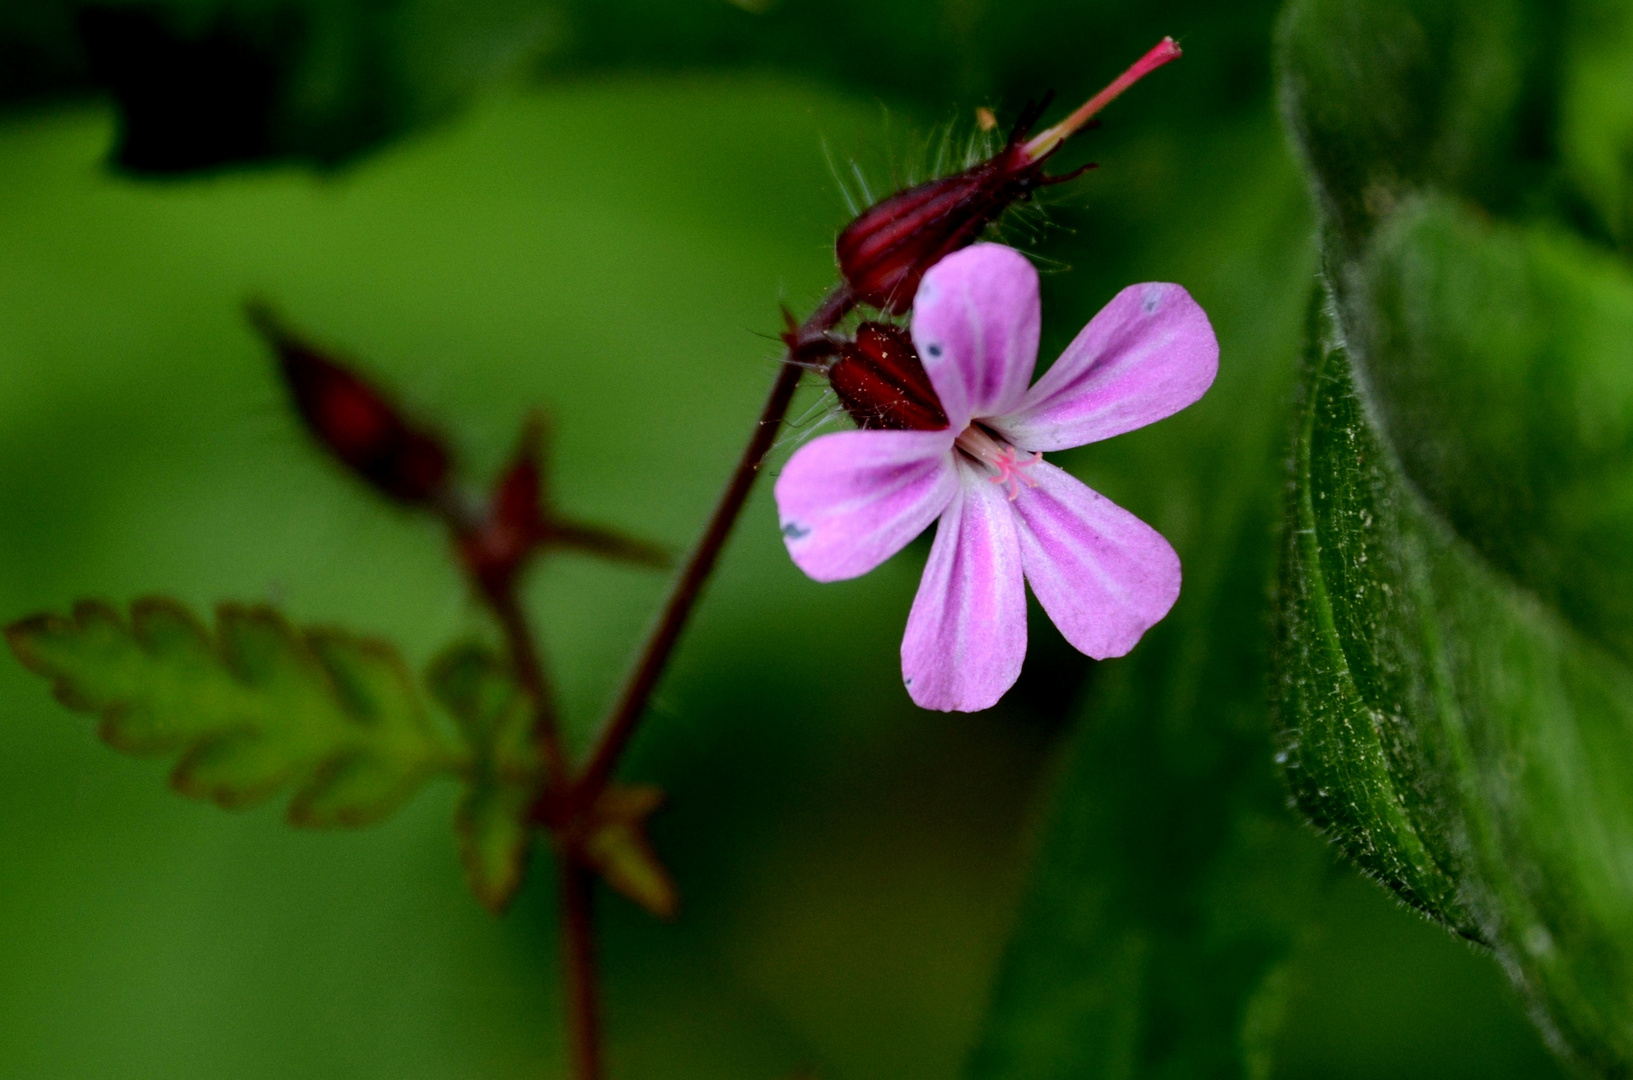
(1007,465)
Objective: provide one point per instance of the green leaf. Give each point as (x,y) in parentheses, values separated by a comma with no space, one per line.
(1461,740)
(255,708)
(1503,374)
(260,707)
(495,818)
(1389,96)
(1352,754)
(1596,115)
(1455,690)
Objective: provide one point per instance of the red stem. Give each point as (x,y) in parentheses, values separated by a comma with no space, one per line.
(576,879)
(567,797)
(529,664)
(578,966)
(630,706)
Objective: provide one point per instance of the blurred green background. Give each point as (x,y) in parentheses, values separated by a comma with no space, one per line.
(599,213)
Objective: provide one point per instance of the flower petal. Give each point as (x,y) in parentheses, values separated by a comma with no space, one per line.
(975,322)
(850,500)
(1146,355)
(1104,576)
(966,634)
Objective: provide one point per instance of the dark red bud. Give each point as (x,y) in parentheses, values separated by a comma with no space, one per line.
(881,381)
(884,253)
(355,420)
(519,523)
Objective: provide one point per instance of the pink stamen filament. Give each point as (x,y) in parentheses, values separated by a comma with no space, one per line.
(1045,141)
(1000,457)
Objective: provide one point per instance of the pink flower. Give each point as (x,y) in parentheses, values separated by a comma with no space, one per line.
(849,501)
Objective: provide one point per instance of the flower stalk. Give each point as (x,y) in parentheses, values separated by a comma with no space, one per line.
(883,255)
(649,665)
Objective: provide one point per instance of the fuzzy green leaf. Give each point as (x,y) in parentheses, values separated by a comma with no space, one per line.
(1503,377)
(495,819)
(1455,686)
(1596,115)
(1389,96)
(1456,737)
(253,709)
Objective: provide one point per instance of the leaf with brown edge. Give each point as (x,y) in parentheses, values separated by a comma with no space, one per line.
(254,708)
(495,817)
(616,845)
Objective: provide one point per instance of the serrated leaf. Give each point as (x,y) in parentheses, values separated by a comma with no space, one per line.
(253,709)
(496,815)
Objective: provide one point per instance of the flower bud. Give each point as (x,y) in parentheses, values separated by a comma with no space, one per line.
(881,381)
(519,522)
(355,421)
(885,252)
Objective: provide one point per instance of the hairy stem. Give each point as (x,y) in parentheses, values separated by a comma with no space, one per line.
(642,679)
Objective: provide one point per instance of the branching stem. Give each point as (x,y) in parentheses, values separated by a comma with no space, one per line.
(570,797)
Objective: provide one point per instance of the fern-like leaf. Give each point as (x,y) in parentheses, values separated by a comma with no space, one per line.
(255,708)
(495,818)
